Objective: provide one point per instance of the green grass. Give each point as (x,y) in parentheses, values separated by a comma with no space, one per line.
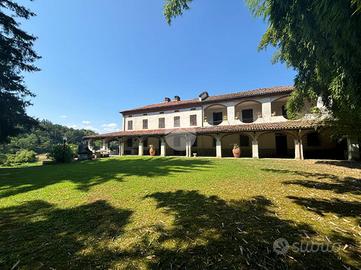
(177,213)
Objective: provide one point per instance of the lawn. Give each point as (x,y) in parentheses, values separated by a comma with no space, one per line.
(171,213)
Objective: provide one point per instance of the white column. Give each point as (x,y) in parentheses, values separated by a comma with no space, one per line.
(140,147)
(297,149)
(255,148)
(353,149)
(187,146)
(162,147)
(300,144)
(121,148)
(218,147)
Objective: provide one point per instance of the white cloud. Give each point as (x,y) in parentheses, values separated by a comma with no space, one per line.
(72,126)
(86,122)
(63,116)
(110,127)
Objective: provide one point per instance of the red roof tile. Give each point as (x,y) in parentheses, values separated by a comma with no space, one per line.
(279,126)
(195,102)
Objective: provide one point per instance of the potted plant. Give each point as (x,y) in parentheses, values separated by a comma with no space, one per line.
(152,150)
(236,151)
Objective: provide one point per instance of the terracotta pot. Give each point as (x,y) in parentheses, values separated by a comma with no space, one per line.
(236,152)
(152,151)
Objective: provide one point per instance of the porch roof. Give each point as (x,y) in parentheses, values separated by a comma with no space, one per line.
(254,127)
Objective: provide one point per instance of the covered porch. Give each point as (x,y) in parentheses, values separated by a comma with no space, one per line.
(291,139)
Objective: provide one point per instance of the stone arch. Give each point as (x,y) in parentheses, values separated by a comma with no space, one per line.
(211,110)
(277,144)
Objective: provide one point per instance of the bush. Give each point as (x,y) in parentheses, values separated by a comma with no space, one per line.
(22,156)
(62,154)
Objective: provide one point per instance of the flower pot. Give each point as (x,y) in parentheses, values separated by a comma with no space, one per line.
(152,150)
(236,152)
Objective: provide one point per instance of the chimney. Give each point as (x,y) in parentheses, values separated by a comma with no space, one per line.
(166,99)
(177,98)
(203,96)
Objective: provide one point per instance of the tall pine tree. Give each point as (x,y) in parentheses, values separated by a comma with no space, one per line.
(16,56)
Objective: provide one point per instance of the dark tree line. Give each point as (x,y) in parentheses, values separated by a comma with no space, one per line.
(43,137)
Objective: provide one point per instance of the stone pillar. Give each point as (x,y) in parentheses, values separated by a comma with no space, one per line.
(218,147)
(187,146)
(140,147)
(353,149)
(162,147)
(255,148)
(121,147)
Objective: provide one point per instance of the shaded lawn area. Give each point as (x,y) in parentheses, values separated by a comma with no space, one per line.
(178,213)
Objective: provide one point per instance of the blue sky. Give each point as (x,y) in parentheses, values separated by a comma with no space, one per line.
(100,57)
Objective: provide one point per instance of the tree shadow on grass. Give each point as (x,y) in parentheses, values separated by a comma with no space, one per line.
(341,163)
(37,235)
(210,233)
(340,185)
(87,174)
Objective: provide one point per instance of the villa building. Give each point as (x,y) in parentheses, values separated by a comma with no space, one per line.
(255,120)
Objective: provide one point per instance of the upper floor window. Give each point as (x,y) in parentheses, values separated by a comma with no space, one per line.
(247,116)
(145,123)
(161,122)
(193,120)
(217,118)
(130,125)
(176,121)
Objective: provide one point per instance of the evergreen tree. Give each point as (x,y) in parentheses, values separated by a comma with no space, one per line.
(16,56)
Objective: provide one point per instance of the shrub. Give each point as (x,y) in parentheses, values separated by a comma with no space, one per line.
(62,154)
(22,156)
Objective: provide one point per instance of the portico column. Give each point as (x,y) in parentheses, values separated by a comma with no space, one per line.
(121,147)
(105,146)
(300,145)
(255,148)
(187,146)
(218,146)
(297,149)
(140,147)
(162,147)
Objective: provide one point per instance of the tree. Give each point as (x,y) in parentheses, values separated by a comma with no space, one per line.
(16,56)
(321,40)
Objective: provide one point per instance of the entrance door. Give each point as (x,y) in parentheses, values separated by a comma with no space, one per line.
(281,145)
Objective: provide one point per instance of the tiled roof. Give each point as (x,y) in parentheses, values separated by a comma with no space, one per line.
(196,102)
(279,126)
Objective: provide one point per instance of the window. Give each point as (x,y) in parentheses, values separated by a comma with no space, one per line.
(313,139)
(247,116)
(161,122)
(129,143)
(243,140)
(130,125)
(176,121)
(217,118)
(145,123)
(193,120)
